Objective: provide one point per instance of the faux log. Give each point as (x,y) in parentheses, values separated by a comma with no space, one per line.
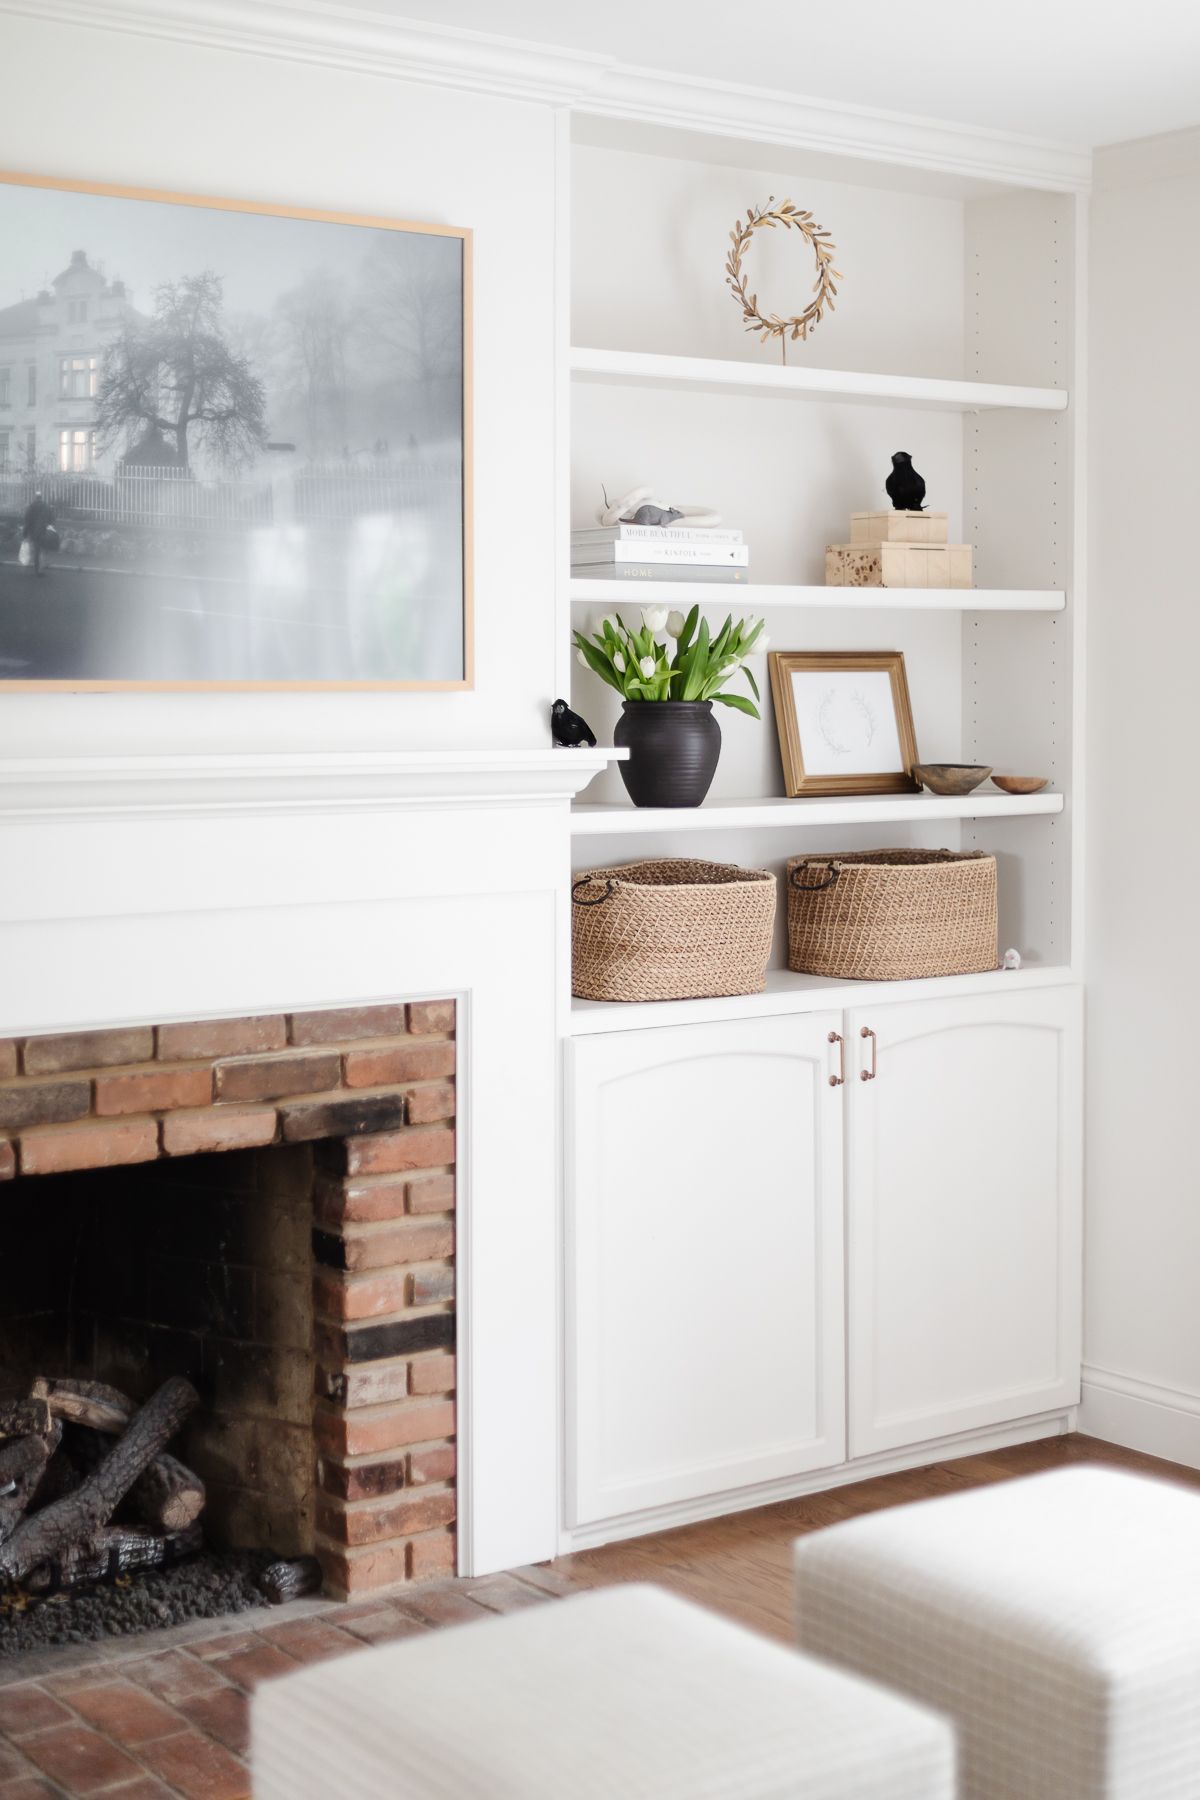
(168,1495)
(49,1535)
(111,1551)
(24,1418)
(290,1579)
(22,1465)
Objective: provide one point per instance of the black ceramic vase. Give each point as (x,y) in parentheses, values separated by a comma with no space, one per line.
(674,747)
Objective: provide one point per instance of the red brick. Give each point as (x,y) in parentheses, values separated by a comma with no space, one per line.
(431,1374)
(224,1715)
(394,1151)
(437,1464)
(502,1594)
(378,1428)
(430,1194)
(259,1662)
(310,1640)
(198,1768)
(276,1077)
(27,1707)
(152,1090)
(431,1286)
(363,1481)
(338,1201)
(366,1570)
(80,1760)
(307,1120)
(338,1296)
(372,1384)
(32,1787)
(125,1713)
(43,1103)
(221,1037)
(173,1674)
(431,1555)
(87,1050)
(218,1128)
(376,1521)
(426,1105)
(378,1624)
(8,1058)
(341,1023)
(440,1605)
(103,1145)
(431,1017)
(412,1240)
(8,1160)
(397,1063)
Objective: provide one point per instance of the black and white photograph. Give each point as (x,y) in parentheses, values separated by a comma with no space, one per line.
(234,444)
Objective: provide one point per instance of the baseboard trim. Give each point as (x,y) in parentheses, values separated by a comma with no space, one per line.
(769,1493)
(1141,1415)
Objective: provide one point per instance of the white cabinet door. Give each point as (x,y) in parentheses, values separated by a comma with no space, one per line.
(704,1261)
(964,1207)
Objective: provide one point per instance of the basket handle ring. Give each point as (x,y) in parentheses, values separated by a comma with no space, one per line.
(610,888)
(815,887)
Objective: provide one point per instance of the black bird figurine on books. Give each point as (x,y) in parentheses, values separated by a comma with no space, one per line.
(905,488)
(568,730)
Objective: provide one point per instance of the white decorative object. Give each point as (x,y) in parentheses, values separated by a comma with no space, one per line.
(628,1691)
(1056,1620)
(1012,959)
(613,512)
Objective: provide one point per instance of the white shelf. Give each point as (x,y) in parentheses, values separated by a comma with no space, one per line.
(639,368)
(593,819)
(732,595)
(788,993)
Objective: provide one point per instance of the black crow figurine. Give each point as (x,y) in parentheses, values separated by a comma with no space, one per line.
(905,488)
(568,730)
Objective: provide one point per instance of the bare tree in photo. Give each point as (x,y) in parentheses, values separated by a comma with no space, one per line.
(410,329)
(176,374)
(312,337)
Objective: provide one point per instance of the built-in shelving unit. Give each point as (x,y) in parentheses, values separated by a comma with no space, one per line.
(601,591)
(641,369)
(591,819)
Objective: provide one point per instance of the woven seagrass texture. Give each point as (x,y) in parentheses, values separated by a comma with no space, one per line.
(670,928)
(892,915)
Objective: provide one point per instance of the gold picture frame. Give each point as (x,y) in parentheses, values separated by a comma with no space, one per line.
(455,647)
(822,722)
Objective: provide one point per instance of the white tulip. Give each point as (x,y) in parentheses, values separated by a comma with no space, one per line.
(762,642)
(647,666)
(654,617)
(675,624)
(618,662)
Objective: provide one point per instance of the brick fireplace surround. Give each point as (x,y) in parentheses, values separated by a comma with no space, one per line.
(372,1090)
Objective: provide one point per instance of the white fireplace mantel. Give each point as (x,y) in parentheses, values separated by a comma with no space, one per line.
(65,787)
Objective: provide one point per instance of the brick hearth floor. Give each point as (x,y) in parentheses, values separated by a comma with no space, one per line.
(125,1720)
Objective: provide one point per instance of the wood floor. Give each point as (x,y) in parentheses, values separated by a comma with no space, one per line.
(165,1716)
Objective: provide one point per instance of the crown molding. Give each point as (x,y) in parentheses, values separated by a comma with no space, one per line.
(364,40)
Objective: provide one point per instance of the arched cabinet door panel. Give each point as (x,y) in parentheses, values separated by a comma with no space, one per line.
(964,1214)
(704,1291)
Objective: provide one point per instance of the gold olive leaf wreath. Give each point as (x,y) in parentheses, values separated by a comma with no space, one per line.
(792,218)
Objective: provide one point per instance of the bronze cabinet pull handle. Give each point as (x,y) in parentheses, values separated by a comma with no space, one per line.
(839,1080)
(870,1074)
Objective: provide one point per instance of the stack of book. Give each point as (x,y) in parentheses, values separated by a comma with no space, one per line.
(660,553)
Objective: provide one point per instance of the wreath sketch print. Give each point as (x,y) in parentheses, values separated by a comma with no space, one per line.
(846,721)
(791,218)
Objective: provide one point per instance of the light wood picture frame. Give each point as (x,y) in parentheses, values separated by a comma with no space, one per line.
(844,721)
(305,523)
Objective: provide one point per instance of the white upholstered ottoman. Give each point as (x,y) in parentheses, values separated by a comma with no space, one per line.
(1056,1620)
(624,1694)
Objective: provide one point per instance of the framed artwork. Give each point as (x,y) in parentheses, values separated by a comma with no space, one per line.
(844,721)
(235,444)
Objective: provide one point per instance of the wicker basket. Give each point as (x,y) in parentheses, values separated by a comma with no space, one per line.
(891,915)
(672,929)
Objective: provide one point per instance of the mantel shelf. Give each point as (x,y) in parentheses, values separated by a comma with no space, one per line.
(727,595)
(592,819)
(640,368)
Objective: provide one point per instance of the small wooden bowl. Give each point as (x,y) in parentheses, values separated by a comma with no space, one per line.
(1020,784)
(951,778)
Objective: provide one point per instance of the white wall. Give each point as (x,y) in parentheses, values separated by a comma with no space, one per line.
(104,106)
(1143,1180)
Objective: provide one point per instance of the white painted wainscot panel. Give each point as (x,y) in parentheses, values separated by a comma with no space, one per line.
(964,1214)
(704,1256)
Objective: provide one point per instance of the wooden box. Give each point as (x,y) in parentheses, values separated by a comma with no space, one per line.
(898,565)
(899,527)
